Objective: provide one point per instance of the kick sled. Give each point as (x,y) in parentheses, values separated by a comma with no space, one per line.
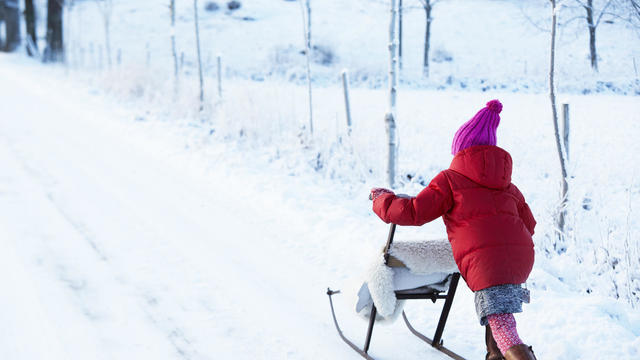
(420,293)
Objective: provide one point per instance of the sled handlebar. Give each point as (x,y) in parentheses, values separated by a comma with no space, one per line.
(392,231)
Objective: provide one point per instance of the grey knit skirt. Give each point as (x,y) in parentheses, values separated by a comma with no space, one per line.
(501,299)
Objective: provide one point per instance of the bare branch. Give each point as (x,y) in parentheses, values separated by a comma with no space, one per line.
(602,12)
(586,6)
(579,17)
(636,6)
(531,21)
(426,3)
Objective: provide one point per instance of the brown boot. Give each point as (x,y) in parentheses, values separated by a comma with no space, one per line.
(520,352)
(493,352)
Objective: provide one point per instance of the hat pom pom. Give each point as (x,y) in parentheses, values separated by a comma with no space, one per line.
(494,106)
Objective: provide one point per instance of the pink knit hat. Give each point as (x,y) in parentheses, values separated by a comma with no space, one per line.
(480,130)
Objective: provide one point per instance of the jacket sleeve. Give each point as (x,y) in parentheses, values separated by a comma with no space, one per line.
(525,212)
(432,202)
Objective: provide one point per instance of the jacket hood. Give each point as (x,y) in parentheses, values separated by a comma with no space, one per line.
(487,165)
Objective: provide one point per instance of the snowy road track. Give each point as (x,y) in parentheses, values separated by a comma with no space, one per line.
(117,254)
(113,251)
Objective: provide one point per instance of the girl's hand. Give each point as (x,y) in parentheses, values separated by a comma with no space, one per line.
(375,192)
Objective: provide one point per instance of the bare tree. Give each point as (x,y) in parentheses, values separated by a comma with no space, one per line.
(54,52)
(11,11)
(427,5)
(306,30)
(308,5)
(66,19)
(106,9)
(30,18)
(390,117)
(197,25)
(635,6)
(172,10)
(595,10)
(400,11)
(629,11)
(560,220)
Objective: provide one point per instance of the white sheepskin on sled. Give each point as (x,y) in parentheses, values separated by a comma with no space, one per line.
(429,263)
(379,289)
(425,257)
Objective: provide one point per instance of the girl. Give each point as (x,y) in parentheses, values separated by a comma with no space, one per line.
(488,223)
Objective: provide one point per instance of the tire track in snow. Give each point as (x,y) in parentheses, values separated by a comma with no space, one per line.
(62,265)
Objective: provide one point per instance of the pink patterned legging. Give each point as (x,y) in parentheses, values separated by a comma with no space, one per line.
(503,327)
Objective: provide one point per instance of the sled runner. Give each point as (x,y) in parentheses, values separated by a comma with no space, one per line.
(425,292)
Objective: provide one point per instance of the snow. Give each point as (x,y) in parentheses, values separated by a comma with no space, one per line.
(132,226)
(147,239)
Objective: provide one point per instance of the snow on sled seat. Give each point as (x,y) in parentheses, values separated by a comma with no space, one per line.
(412,266)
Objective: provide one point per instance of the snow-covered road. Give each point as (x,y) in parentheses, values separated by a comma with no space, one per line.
(113,250)
(113,253)
(119,242)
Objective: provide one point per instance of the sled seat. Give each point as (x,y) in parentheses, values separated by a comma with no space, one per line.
(424,293)
(420,293)
(432,275)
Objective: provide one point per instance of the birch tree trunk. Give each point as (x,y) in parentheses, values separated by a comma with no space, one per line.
(172,10)
(308,2)
(307,43)
(560,220)
(400,11)
(195,15)
(427,38)
(565,130)
(390,120)
(106,8)
(107,37)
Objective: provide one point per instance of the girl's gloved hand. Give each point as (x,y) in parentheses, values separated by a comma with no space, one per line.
(375,192)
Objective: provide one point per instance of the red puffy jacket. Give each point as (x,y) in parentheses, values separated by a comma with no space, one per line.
(488,222)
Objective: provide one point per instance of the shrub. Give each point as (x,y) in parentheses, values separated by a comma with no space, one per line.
(234,5)
(211,6)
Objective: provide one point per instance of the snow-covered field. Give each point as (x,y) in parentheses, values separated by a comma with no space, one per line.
(480,45)
(132,226)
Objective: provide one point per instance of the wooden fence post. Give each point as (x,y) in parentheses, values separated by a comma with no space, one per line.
(148,54)
(565,128)
(100,57)
(219,67)
(347,106)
